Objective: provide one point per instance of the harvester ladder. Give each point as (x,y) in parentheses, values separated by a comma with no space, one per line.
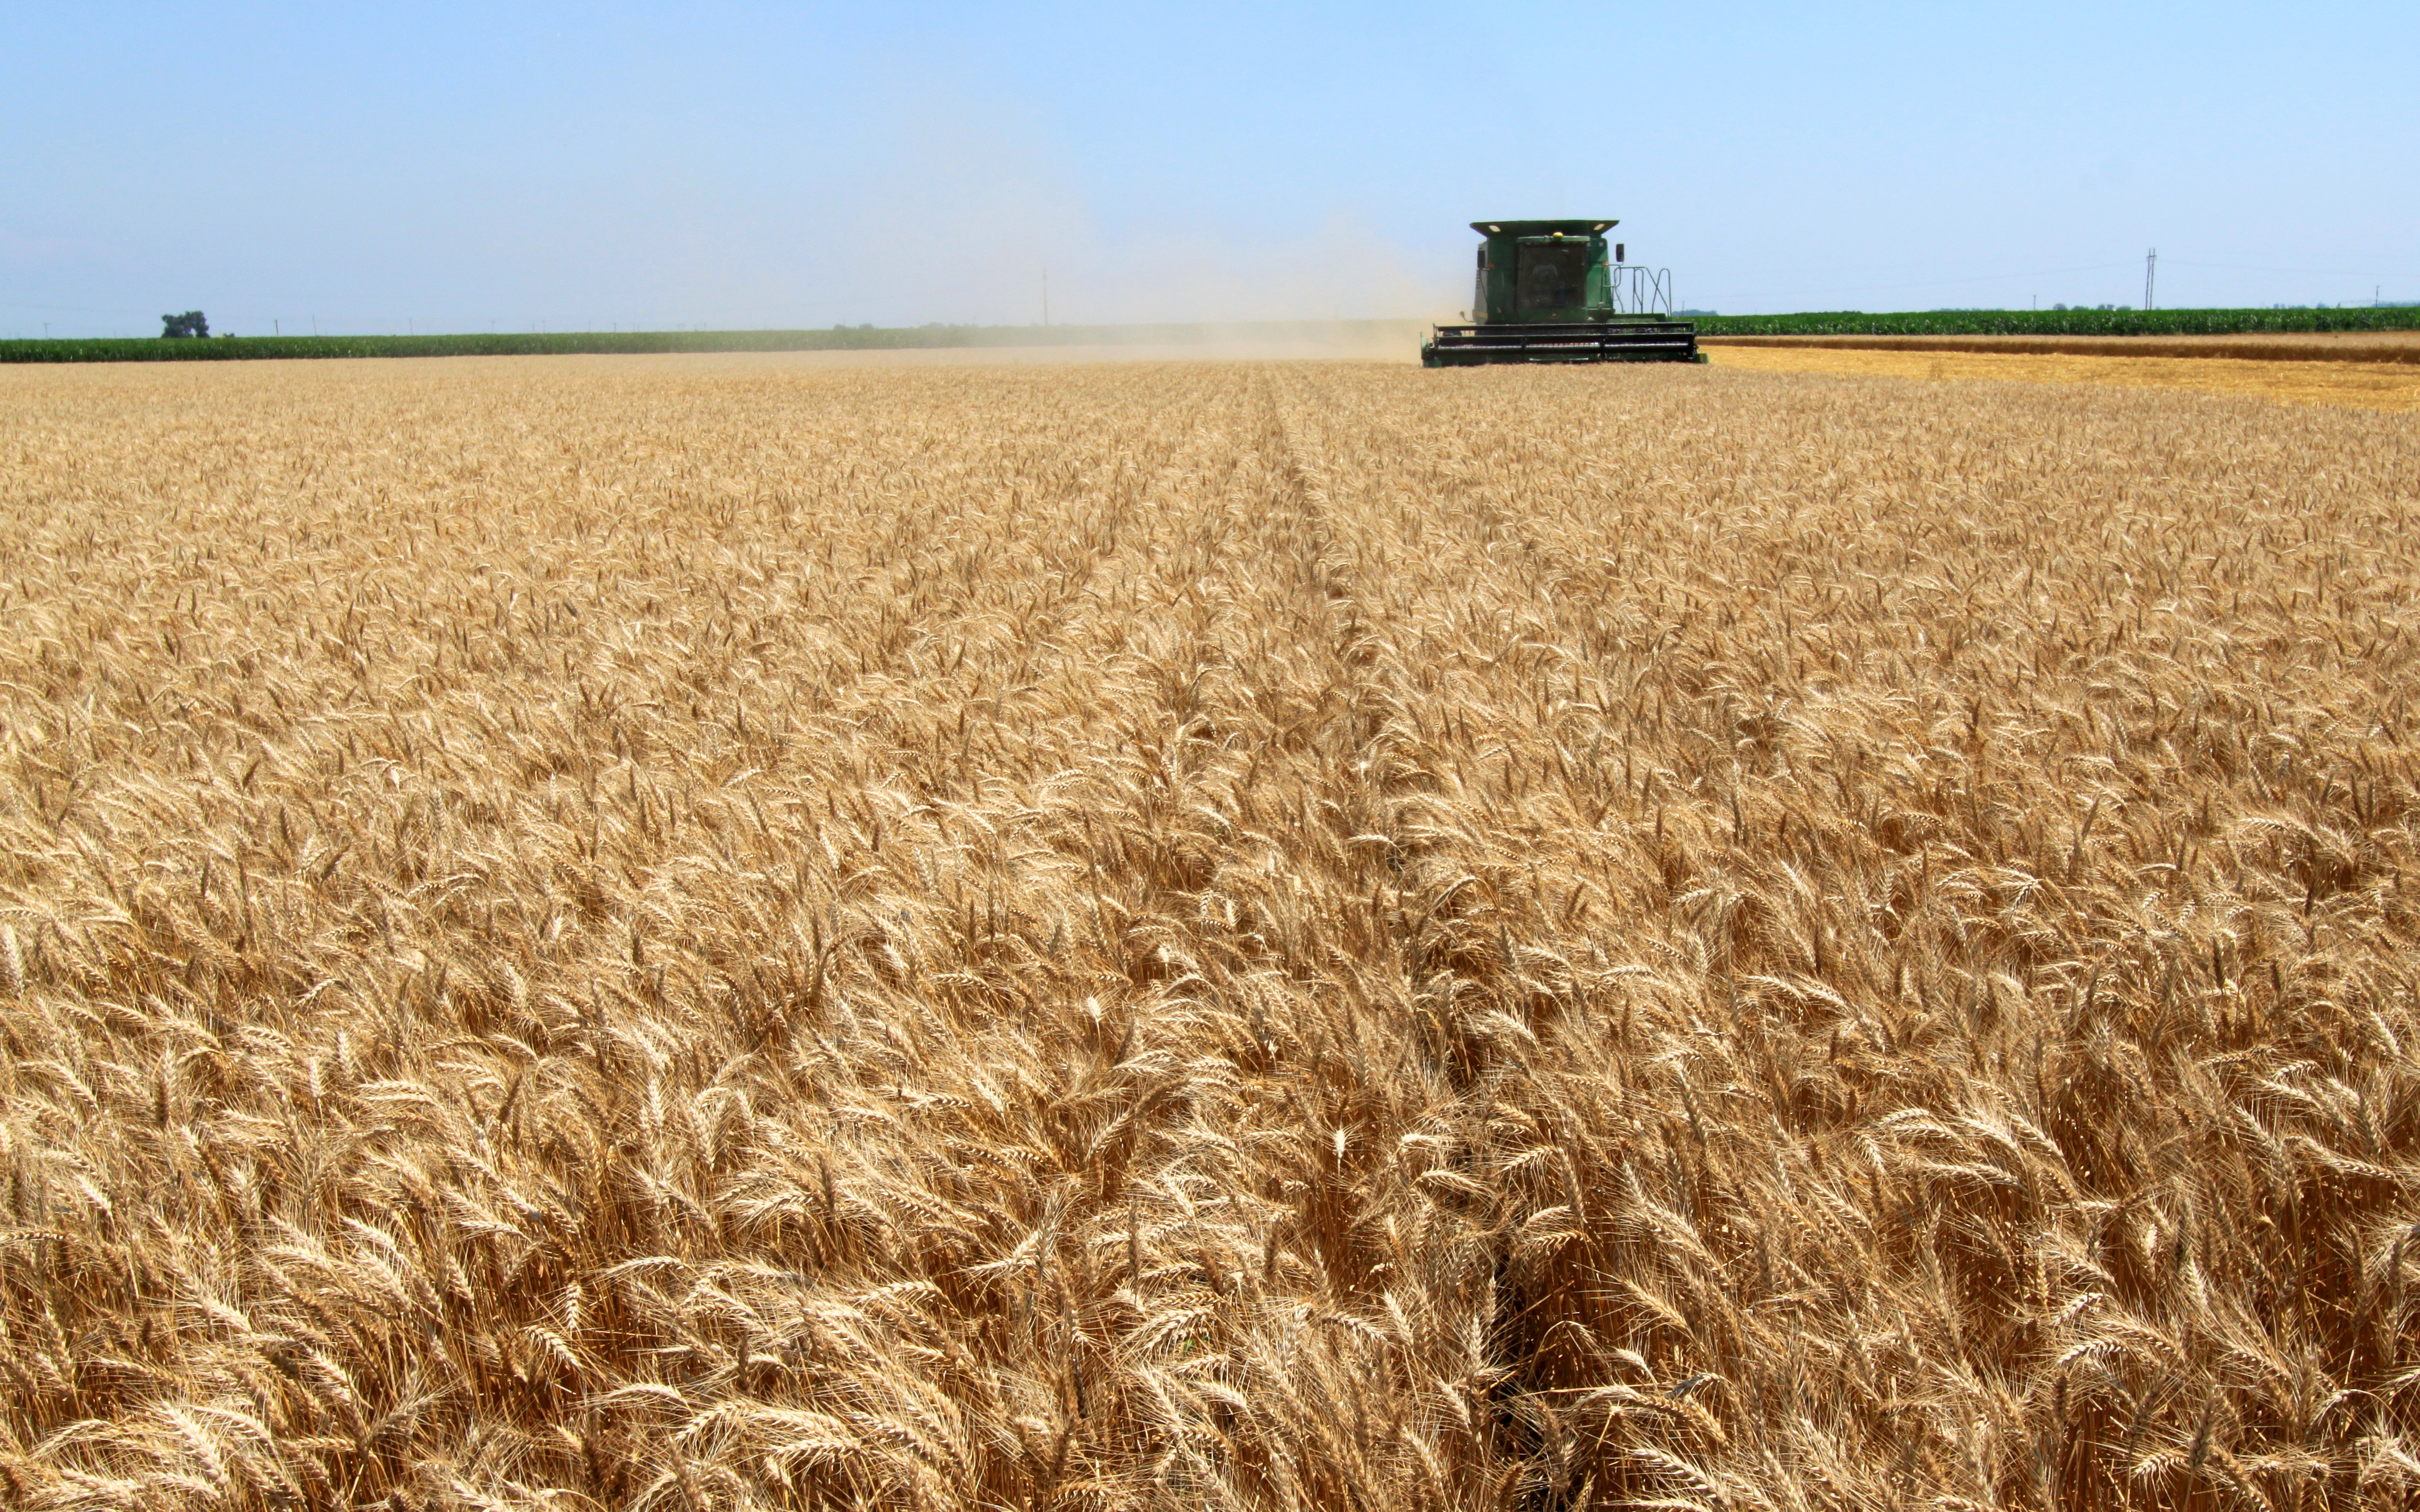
(1638,289)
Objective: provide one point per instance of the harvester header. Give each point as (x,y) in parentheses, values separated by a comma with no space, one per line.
(1554,291)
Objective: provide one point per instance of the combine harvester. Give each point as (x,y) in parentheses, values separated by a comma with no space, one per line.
(1551,292)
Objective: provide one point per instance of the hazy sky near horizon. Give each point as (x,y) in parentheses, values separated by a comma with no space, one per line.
(460,167)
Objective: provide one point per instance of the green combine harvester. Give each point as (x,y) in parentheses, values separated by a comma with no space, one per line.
(1552,291)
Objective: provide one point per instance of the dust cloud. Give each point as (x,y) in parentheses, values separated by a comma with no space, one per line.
(964,215)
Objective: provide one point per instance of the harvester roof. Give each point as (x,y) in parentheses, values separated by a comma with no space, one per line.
(1542,228)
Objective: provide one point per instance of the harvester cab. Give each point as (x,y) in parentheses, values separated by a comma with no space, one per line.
(1555,291)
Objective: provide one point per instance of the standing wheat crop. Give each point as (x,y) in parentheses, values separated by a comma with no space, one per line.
(723,933)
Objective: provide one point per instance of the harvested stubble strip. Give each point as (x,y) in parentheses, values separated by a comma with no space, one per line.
(2356,385)
(2366,347)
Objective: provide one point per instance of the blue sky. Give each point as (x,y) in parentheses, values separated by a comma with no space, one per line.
(461,167)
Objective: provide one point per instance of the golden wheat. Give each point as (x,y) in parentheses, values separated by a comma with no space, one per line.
(722,932)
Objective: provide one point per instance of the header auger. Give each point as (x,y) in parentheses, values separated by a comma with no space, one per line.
(1552,291)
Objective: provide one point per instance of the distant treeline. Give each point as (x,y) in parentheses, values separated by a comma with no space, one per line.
(2062,322)
(566,343)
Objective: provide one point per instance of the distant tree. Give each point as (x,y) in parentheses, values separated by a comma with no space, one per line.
(192,323)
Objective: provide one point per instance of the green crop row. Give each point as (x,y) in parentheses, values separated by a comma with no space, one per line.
(521,344)
(572,343)
(2061,322)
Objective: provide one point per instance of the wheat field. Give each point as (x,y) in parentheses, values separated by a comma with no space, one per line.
(728,933)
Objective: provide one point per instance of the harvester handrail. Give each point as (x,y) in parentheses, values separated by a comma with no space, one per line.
(1638,289)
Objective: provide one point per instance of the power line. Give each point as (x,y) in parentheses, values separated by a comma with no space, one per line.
(1984,278)
(74,309)
(2295,272)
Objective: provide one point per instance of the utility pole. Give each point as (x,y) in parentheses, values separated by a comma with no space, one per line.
(2150,265)
(1046,296)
